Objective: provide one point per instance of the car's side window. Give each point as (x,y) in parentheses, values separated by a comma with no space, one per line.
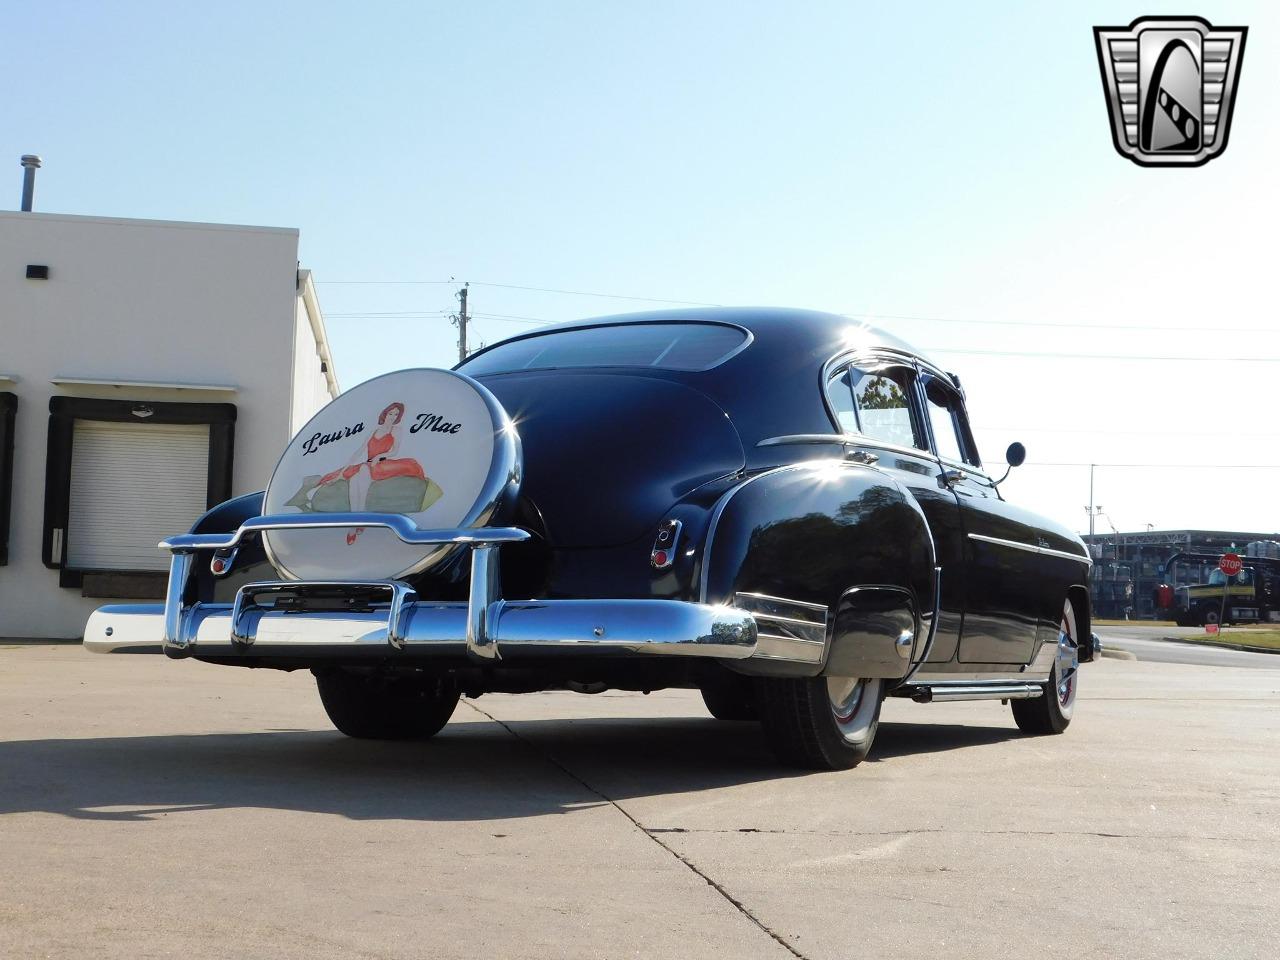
(950,429)
(883,400)
(840,395)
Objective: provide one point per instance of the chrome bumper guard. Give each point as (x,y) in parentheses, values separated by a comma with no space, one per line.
(381,618)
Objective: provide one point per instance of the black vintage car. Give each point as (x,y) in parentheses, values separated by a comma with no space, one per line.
(783,509)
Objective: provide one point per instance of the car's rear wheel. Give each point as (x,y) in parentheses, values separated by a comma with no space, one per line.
(731,698)
(820,723)
(1051,711)
(373,707)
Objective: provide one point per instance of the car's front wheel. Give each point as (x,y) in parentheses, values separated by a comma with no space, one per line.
(1051,711)
(820,723)
(373,707)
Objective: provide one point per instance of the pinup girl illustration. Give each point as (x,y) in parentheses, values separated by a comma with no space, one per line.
(375,460)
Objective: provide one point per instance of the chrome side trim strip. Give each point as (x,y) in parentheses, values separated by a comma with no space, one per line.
(1032,548)
(817,608)
(770,647)
(794,438)
(801,638)
(802,633)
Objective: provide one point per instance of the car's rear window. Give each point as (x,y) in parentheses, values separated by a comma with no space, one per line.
(665,346)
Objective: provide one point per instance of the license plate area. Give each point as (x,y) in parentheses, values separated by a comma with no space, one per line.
(295,597)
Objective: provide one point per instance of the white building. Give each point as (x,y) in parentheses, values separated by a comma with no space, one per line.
(147,371)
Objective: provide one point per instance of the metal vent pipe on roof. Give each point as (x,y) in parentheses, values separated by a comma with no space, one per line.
(30,164)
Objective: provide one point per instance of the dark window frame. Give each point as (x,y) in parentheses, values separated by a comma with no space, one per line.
(840,374)
(8,421)
(959,419)
(65,411)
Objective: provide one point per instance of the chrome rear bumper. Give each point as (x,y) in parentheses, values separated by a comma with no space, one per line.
(352,619)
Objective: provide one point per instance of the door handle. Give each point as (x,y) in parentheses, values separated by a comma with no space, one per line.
(862,456)
(951,477)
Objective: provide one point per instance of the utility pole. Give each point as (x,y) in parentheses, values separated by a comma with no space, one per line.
(1090,507)
(460,321)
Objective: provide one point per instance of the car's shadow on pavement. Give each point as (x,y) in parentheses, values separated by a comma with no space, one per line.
(471,771)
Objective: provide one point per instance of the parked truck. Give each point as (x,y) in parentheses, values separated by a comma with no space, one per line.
(1251,596)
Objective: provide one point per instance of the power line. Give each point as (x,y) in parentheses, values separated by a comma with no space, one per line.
(980,428)
(1033,354)
(1161,466)
(1156,328)
(418,314)
(516,319)
(515,286)
(602,296)
(1098,356)
(1052,326)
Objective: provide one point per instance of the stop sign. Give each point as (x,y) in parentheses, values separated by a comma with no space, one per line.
(1230,564)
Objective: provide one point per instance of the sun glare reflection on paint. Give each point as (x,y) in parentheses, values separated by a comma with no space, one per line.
(828,471)
(858,334)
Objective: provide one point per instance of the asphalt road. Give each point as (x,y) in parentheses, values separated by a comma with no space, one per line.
(1148,643)
(158,809)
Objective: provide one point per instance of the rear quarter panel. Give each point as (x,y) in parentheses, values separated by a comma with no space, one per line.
(809,532)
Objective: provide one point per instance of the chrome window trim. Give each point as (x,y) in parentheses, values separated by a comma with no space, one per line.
(881,355)
(917,365)
(1032,548)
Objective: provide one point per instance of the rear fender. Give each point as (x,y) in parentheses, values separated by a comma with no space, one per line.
(841,536)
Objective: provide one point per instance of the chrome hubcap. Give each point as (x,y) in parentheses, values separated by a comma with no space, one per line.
(1066,663)
(846,696)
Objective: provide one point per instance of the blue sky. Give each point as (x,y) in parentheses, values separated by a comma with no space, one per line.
(951,162)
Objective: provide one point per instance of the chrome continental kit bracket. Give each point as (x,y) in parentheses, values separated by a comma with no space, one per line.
(397,593)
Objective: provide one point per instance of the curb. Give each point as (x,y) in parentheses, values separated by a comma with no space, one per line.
(1221,646)
(1111,654)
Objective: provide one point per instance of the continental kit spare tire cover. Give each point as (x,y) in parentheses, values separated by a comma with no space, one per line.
(433,445)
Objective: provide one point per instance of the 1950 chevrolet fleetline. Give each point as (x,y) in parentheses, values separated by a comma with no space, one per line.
(781,508)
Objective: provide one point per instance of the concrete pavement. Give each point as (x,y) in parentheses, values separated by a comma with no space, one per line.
(153,809)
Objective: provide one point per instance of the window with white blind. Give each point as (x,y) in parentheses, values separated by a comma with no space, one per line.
(121,476)
(132,485)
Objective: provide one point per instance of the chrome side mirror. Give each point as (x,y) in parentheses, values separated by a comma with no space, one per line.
(1015,456)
